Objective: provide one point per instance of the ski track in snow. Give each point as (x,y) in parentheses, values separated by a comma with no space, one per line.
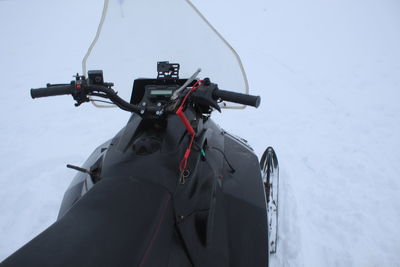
(289,240)
(329,77)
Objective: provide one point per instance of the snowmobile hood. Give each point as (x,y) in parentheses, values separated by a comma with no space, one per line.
(120,222)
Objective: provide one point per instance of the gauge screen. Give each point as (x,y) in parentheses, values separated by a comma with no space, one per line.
(161,92)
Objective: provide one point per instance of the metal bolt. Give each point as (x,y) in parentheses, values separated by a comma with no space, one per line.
(144,104)
(158,104)
(142,111)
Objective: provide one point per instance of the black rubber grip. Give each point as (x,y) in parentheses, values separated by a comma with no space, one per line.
(249,100)
(51,91)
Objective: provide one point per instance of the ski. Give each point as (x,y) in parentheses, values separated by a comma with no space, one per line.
(270,174)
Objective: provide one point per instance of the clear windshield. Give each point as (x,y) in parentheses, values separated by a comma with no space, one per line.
(135,35)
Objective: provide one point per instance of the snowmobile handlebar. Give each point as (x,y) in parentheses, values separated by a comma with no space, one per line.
(81,90)
(244,99)
(80,94)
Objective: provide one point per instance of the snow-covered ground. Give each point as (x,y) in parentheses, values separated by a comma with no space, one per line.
(329,76)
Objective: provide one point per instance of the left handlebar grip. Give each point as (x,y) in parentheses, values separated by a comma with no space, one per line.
(51,91)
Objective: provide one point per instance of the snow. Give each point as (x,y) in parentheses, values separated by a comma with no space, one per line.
(328,73)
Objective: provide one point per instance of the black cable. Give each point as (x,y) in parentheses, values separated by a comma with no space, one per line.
(98,95)
(112,95)
(223,154)
(102,101)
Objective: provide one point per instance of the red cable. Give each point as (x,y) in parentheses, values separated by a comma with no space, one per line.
(189,128)
(194,88)
(183,163)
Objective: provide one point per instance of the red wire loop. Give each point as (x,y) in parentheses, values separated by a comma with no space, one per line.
(189,128)
(183,163)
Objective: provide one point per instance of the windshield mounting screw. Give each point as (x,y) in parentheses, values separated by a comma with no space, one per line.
(142,111)
(143,104)
(158,104)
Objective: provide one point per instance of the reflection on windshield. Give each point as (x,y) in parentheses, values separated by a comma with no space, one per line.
(134,35)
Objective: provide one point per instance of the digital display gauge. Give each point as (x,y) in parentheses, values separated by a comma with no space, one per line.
(157,92)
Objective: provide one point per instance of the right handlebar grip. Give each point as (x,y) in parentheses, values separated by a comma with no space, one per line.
(51,91)
(249,100)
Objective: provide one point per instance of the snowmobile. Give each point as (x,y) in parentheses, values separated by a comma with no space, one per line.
(171,188)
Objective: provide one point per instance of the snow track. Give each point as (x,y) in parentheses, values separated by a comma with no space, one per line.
(289,242)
